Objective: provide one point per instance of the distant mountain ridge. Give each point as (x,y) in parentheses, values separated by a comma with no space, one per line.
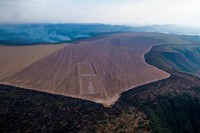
(24,34)
(171,29)
(27,34)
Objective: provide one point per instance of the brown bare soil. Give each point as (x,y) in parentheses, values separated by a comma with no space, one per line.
(14,58)
(97,70)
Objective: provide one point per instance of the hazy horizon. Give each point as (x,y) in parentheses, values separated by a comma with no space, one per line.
(120,12)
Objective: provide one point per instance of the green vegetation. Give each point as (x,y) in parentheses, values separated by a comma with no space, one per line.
(171,105)
(182,57)
(31,111)
(178,111)
(157,123)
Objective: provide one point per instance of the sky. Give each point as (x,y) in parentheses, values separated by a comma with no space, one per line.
(127,12)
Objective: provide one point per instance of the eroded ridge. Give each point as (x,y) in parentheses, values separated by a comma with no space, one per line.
(97,70)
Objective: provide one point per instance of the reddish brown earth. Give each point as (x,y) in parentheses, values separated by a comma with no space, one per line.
(15,58)
(97,69)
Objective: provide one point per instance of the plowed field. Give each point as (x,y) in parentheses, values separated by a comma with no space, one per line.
(97,69)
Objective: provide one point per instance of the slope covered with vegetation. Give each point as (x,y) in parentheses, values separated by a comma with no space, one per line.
(168,106)
(183,58)
(176,111)
(31,111)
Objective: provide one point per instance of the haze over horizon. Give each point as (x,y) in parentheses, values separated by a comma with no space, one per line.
(126,12)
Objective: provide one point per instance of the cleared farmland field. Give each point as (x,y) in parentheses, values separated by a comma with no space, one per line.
(95,69)
(15,58)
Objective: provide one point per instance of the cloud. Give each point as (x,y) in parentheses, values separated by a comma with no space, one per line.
(181,12)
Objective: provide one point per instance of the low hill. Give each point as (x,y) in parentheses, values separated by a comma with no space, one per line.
(29,34)
(183,58)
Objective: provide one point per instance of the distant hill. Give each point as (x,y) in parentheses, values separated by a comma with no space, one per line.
(27,34)
(170,28)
